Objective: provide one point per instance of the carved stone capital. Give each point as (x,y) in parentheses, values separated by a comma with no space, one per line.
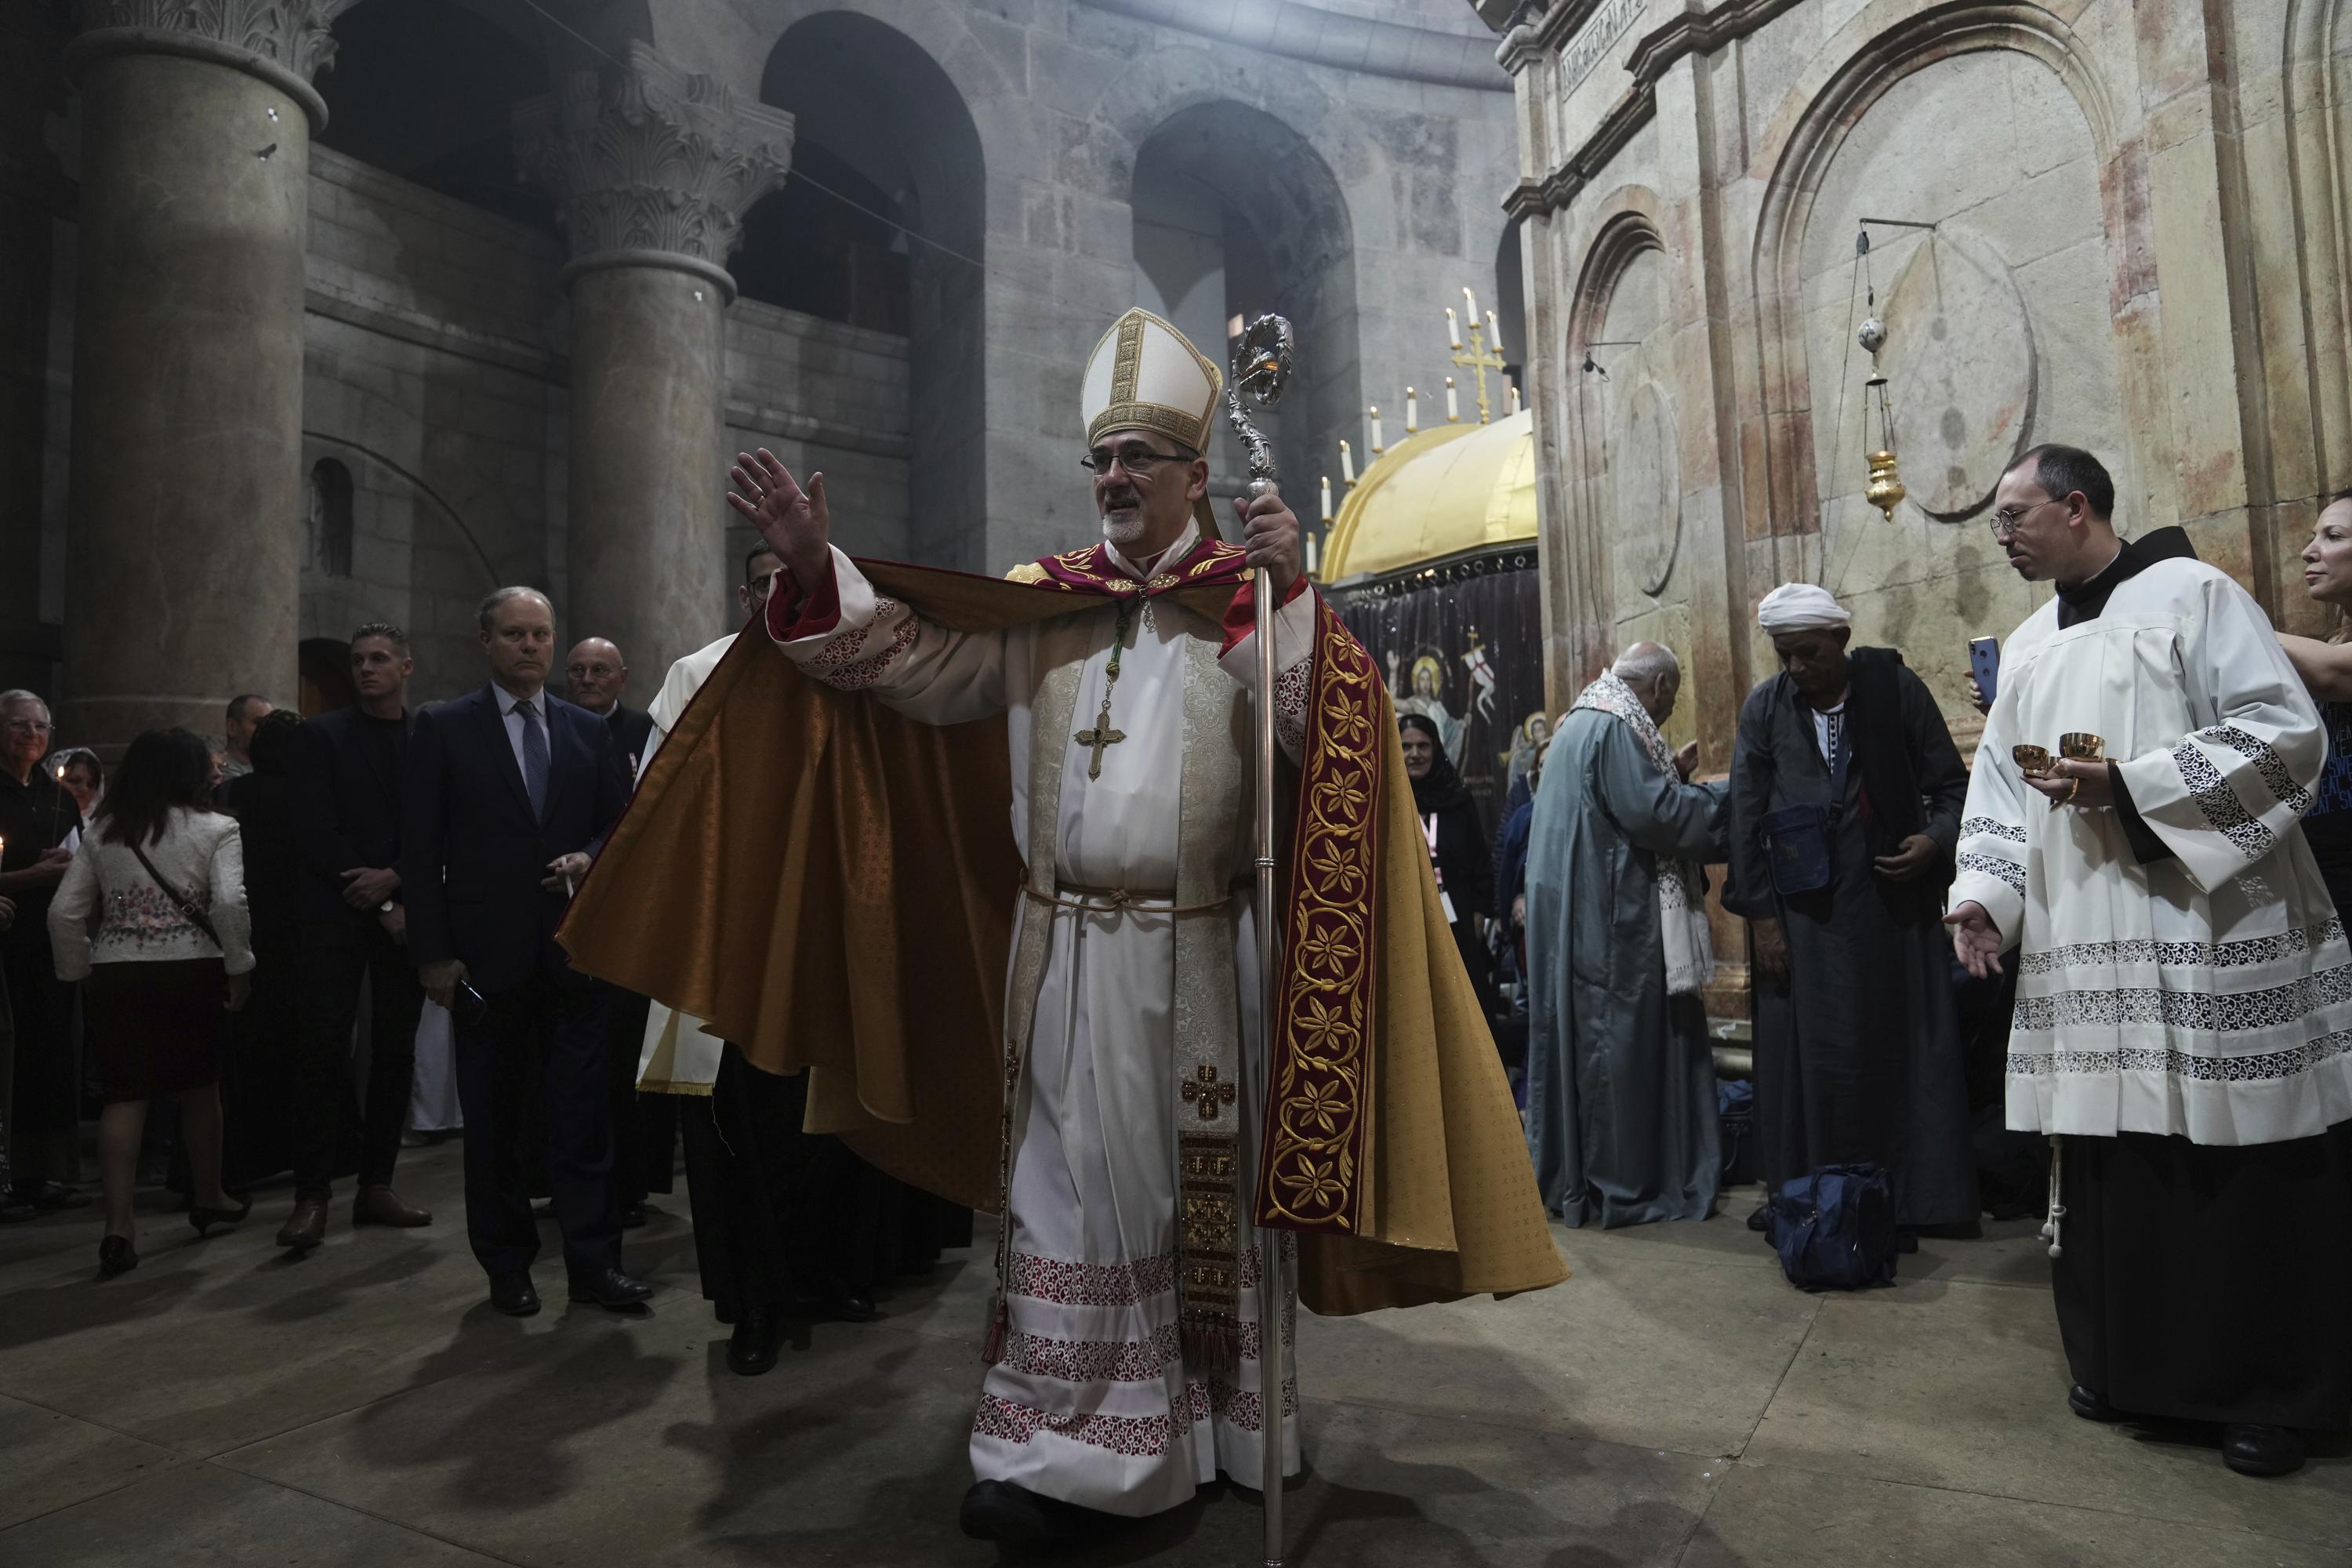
(284,42)
(650,165)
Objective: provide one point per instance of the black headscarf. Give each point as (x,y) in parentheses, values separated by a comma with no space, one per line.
(1441,789)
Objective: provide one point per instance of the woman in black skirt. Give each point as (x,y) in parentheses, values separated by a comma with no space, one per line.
(165,874)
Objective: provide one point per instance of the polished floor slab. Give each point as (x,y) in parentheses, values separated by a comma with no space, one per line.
(1675,1403)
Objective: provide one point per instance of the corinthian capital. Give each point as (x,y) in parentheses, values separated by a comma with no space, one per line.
(284,42)
(650,165)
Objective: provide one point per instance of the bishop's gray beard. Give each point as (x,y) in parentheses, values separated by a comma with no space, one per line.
(1125,532)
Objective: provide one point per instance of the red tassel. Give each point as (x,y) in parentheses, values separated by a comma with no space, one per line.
(992,1344)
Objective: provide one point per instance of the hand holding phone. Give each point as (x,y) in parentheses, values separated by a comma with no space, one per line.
(1984,664)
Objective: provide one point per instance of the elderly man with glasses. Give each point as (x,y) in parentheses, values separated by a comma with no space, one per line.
(40,1100)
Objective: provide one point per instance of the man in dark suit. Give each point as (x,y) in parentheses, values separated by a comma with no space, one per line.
(347,770)
(507,791)
(595,676)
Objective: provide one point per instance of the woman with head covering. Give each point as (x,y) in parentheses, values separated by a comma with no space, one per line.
(1458,847)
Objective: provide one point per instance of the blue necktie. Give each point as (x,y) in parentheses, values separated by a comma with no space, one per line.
(534,757)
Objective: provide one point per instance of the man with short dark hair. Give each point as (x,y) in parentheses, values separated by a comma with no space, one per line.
(246,709)
(39,1101)
(2184,988)
(507,790)
(347,782)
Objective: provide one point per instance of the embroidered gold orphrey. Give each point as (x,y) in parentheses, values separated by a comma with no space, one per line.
(1318,1094)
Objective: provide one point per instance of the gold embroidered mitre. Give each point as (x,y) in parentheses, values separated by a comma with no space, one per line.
(1145,375)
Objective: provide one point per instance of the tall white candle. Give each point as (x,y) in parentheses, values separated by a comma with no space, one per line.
(1411,411)
(1511,398)
(1347,464)
(1453,328)
(1376,429)
(1453,403)
(1326,498)
(1469,305)
(1314,555)
(1493,334)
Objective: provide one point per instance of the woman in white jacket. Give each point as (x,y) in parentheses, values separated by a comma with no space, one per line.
(165,874)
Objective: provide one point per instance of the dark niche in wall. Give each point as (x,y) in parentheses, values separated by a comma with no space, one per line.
(814,252)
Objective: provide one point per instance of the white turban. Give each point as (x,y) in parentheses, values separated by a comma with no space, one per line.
(1801,607)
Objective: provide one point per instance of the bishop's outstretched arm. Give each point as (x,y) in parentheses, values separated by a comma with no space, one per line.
(843,633)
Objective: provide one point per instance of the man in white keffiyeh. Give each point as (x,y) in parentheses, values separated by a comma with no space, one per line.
(1621,1118)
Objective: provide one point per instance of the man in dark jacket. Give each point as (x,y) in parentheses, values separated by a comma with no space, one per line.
(346,787)
(508,791)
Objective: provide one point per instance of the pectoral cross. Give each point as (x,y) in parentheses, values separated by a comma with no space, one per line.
(1102,734)
(1203,1089)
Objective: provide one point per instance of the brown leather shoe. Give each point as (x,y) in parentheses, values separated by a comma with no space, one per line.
(382,1206)
(306,1227)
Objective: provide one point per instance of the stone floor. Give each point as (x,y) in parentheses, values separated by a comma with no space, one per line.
(1674,1402)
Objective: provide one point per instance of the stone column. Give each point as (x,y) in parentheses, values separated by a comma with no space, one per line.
(652,170)
(183,570)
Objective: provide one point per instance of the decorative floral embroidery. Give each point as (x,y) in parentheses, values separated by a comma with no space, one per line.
(1069,1284)
(1986,825)
(1094,1361)
(2008,872)
(2219,803)
(2267,763)
(1291,688)
(2185,954)
(146,918)
(1137,1437)
(866,672)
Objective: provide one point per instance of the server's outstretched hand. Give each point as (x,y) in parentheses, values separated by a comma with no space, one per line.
(1976,941)
(795,523)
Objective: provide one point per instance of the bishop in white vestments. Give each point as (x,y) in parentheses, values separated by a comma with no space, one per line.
(1130,734)
(2183,1027)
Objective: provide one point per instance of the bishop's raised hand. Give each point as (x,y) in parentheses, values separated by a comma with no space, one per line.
(794,522)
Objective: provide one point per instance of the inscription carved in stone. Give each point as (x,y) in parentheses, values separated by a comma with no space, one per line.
(290,33)
(652,158)
(1645,461)
(1960,358)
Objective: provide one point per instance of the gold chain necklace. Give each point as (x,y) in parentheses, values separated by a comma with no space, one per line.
(1102,734)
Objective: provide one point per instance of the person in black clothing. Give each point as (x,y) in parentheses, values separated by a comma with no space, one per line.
(347,791)
(257,1063)
(595,677)
(508,793)
(40,1100)
(1458,848)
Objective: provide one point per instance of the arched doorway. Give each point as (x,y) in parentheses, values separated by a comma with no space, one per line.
(881,225)
(1236,215)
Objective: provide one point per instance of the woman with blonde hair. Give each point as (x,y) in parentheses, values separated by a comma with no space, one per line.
(166,875)
(2326,670)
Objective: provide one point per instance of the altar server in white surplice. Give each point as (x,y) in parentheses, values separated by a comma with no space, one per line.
(1139,715)
(2184,995)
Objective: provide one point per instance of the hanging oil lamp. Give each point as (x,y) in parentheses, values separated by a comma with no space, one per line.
(1885,489)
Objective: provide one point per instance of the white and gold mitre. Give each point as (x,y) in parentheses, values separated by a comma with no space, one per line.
(1144,376)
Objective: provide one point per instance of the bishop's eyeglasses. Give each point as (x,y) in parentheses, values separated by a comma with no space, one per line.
(1138,461)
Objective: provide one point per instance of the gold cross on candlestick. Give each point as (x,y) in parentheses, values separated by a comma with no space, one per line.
(1203,1089)
(1480,357)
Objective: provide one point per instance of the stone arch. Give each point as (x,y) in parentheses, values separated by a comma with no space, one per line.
(1884,44)
(1622,238)
(875,96)
(1277,188)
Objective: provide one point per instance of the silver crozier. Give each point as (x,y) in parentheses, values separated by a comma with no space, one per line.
(1261,368)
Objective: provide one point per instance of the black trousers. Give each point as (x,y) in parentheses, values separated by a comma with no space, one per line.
(557,1019)
(331,976)
(740,1158)
(624,1033)
(45,1099)
(2205,1283)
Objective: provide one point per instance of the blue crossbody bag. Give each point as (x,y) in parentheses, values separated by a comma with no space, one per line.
(1797,837)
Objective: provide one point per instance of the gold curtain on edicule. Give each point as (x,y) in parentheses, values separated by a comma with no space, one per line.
(832,886)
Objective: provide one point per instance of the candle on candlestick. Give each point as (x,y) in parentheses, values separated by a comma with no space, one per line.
(1511,396)
(1453,328)
(1453,403)
(1314,556)
(1411,411)
(1347,464)
(1469,306)
(1493,334)
(1376,429)
(1326,498)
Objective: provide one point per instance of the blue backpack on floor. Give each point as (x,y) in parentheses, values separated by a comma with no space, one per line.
(1834,1229)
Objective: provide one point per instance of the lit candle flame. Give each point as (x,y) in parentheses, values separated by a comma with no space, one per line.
(1411,411)
(1347,464)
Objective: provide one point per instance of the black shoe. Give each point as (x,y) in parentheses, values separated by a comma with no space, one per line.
(752,1351)
(849,1305)
(513,1296)
(2253,1450)
(633,1216)
(15,1210)
(52,1196)
(1761,1219)
(204,1219)
(117,1256)
(999,1510)
(2091,1404)
(610,1289)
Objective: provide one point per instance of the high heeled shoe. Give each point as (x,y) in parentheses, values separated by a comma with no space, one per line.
(204,1219)
(116,1255)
